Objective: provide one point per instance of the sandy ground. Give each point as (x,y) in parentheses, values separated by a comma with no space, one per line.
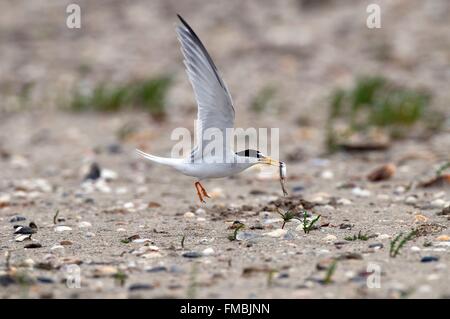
(44,156)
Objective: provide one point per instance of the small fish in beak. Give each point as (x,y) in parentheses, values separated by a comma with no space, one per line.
(282,170)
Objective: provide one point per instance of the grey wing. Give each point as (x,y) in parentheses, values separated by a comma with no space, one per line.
(215,106)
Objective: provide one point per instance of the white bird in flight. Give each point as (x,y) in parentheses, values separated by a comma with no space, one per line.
(215,112)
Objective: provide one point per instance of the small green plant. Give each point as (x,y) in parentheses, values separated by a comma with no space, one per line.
(192,285)
(264,100)
(329,273)
(442,168)
(148,95)
(125,241)
(182,241)
(287,216)
(376,102)
(270,274)
(55,217)
(308,225)
(120,278)
(238,227)
(399,241)
(359,236)
(25,281)
(8,260)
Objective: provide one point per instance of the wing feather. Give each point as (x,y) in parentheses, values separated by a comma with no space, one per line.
(215,106)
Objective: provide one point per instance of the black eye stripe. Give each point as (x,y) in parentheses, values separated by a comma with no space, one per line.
(250,153)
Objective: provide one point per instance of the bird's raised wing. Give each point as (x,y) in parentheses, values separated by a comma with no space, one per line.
(215,107)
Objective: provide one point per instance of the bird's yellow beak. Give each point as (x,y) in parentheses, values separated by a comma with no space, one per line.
(268,161)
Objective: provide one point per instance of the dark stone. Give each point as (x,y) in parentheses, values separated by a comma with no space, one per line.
(33,245)
(114,148)
(135,287)
(429,259)
(376,245)
(24,230)
(157,269)
(94,172)
(17,218)
(192,254)
(45,280)
(6,280)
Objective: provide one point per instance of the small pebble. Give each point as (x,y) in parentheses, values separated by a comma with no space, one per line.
(84,224)
(24,230)
(412,199)
(135,287)
(60,229)
(277,233)
(415,248)
(360,192)
(420,218)
(192,254)
(329,238)
(208,251)
(200,211)
(384,236)
(428,259)
(65,243)
(243,235)
(343,201)
(376,246)
(399,190)
(157,269)
(438,203)
(22,237)
(33,245)
(443,238)
(327,174)
(189,215)
(16,219)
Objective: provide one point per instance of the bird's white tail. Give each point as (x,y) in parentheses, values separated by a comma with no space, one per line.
(157,159)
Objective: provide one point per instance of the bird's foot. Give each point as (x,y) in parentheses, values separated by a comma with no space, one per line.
(200,191)
(204,191)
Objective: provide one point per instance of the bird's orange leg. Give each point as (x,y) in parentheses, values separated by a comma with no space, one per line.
(203,190)
(199,191)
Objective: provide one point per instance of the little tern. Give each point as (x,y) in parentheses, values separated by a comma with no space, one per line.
(215,112)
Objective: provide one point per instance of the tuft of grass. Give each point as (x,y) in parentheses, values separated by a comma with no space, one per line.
(270,274)
(287,216)
(264,100)
(442,168)
(359,236)
(233,236)
(55,217)
(120,278)
(308,225)
(148,95)
(8,260)
(399,241)
(192,285)
(376,102)
(182,241)
(328,279)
